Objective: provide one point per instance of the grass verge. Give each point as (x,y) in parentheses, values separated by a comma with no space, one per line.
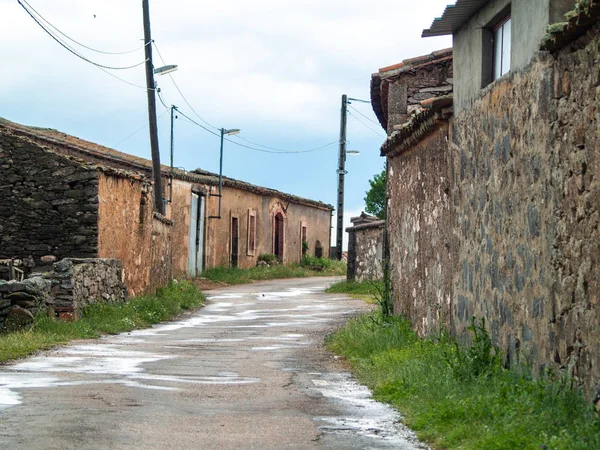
(456,397)
(308,268)
(369,291)
(105,318)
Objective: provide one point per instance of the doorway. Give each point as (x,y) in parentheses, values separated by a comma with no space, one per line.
(196,241)
(278,237)
(234,241)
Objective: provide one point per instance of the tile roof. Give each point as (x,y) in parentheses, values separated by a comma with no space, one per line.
(419,125)
(381,79)
(112,160)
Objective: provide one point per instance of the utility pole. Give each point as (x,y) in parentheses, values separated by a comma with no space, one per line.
(173,109)
(151,88)
(341,173)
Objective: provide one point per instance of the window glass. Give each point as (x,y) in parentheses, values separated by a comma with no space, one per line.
(506,47)
(502,49)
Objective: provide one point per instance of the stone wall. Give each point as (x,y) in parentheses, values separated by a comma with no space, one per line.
(365,251)
(48,203)
(420,231)
(521,221)
(72,284)
(125,227)
(160,263)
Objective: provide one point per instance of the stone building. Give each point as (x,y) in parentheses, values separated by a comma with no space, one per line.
(67,197)
(494,202)
(365,248)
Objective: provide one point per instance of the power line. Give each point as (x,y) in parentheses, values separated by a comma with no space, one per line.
(365,125)
(71,50)
(181,93)
(265,147)
(255,148)
(137,131)
(77,42)
(366,117)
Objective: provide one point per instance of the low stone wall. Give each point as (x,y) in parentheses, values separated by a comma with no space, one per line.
(63,292)
(365,251)
(77,283)
(20,301)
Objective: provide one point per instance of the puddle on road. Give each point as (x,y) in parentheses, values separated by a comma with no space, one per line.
(122,365)
(363,418)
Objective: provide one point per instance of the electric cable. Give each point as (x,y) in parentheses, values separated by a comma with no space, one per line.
(136,131)
(71,50)
(255,148)
(365,116)
(365,125)
(181,93)
(77,42)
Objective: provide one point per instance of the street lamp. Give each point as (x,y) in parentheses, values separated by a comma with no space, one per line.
(165,69)
(224,132)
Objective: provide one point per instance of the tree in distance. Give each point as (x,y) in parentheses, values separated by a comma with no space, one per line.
(375,199)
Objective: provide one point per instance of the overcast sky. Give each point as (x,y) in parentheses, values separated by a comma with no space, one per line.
(274,68)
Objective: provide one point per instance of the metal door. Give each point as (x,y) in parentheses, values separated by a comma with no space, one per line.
(200,238)
(193,249)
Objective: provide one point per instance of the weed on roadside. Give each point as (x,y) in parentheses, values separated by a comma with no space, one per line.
(309,267)
(102,318)
(461,397)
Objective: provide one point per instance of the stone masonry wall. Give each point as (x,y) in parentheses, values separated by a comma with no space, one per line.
(48,203)
(501,220)
(71,285)
(420,232)
(78,282)
(527,197)
(365,251)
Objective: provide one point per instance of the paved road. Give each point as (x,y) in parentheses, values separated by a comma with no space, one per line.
(246,372)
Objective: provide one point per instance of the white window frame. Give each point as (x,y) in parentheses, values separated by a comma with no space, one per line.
(502,48)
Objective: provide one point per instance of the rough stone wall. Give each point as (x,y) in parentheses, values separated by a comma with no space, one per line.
(125,227)
(407,90)
(48,203)
(78,282)
(527,201)
(32,294)
(365,251)
(180,211)
(160,263)
(420,231)
(72,284)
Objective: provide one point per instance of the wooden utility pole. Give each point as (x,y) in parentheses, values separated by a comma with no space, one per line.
(151,88)
(341,173)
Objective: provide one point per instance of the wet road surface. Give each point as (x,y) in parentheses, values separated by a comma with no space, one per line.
(248,371)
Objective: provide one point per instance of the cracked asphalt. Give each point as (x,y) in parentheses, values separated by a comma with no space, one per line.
(248,371)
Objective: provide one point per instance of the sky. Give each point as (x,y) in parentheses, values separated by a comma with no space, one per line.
(276,69)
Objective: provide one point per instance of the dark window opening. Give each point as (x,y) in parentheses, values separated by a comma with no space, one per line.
(278,238)
(318,250)
(234,242)
(251,234)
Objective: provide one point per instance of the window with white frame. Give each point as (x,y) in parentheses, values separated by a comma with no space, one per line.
(502,48)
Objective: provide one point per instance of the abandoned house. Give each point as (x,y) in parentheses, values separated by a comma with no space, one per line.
(66,197)
(493,192)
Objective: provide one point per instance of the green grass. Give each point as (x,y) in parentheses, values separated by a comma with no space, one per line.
(105,318)
(308,268)
(462,398)
(369,291)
